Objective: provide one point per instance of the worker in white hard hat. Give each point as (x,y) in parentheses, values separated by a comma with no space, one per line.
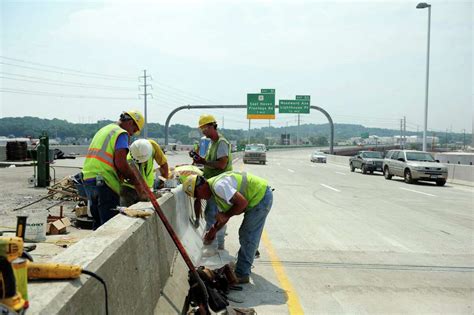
(236,193)
(106,165)
(143,153)
(218,160)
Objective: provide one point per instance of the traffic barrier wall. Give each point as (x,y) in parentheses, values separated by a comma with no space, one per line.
(135,257)
(461,174)
(457,173)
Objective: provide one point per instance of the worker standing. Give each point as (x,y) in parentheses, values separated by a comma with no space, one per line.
(236,193)
(218,159)
(106,165)
(143,152)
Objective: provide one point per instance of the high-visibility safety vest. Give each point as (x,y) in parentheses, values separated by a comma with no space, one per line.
(100,156)
(211,155)
(252,187)
(146,170)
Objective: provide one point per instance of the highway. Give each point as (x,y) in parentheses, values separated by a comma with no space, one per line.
(342,242)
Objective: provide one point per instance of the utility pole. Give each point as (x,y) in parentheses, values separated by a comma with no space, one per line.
(404,131)
(401,133)
(248,137)
(446,138)
(145,96)
(464,139)
(298,131)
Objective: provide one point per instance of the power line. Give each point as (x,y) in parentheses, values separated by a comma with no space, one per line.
(64,73)
(40,93)
(71,85)
(62,81)
(66,69)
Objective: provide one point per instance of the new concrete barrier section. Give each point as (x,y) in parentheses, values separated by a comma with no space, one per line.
(136,258)
(457,174)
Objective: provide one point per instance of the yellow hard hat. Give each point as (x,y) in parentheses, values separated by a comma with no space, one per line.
(206,119)
(189,185)
(137,117)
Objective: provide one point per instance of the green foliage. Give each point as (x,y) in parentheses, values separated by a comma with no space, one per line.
(316,134)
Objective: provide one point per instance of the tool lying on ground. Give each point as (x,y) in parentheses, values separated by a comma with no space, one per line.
(194,277)
(134,213)
(16,270)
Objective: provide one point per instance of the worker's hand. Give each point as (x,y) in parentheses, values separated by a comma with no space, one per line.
(199,159)
(210,236)
(136,213)
(221,219)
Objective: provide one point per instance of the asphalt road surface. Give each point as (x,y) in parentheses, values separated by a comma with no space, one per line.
(342,242)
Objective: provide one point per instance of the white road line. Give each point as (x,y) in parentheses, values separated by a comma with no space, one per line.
(338,165)
(290,170)
(340,173)
(330,187)
(419,192)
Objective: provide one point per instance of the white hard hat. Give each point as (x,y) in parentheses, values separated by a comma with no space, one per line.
(141,150)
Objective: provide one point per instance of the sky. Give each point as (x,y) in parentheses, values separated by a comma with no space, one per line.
(364,62)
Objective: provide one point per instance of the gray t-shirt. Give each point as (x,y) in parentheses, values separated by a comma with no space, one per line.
(222,149)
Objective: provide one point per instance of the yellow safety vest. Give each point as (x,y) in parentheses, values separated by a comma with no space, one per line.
(252,187)
(100,156)
(211,155)
(146,170)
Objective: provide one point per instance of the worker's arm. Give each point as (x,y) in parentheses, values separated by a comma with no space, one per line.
(164,170)
(122,166)
(239,204)
(220,164)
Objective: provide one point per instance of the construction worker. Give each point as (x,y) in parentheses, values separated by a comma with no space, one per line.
(106,165)
(218,159)
(143,152)
(236,193)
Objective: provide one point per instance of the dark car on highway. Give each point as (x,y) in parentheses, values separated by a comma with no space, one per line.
(367,161)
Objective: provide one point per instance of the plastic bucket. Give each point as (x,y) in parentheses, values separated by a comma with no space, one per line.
(36,225)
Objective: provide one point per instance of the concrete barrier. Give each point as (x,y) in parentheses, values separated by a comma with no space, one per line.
(461,174)
(457,174)
(136,258)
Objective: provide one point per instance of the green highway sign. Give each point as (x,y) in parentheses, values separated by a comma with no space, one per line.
(298,106)
(270,91)
(261,105)
(303,97)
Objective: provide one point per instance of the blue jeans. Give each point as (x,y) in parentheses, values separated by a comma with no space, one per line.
(250,232)
(210,216)
(102,200)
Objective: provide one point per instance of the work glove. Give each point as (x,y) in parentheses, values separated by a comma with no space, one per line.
(134,213)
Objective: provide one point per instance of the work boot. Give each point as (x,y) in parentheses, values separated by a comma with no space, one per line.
(242,279)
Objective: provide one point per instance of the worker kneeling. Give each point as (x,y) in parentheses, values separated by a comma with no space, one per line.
(236,193)
(143,152)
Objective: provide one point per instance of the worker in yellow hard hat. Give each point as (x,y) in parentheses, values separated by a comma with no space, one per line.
(236,193)
(105,166)
(218,160)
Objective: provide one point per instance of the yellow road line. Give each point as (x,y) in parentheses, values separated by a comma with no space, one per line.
(294,306)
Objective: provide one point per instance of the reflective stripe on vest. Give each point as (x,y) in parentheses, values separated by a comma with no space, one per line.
(101,154)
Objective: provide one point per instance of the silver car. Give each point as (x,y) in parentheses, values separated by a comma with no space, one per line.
(255,153)
(318,157)
(413,166)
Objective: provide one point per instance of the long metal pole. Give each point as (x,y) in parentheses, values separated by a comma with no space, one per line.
(168,119)
(145,131)
(248,136)
(427,79)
